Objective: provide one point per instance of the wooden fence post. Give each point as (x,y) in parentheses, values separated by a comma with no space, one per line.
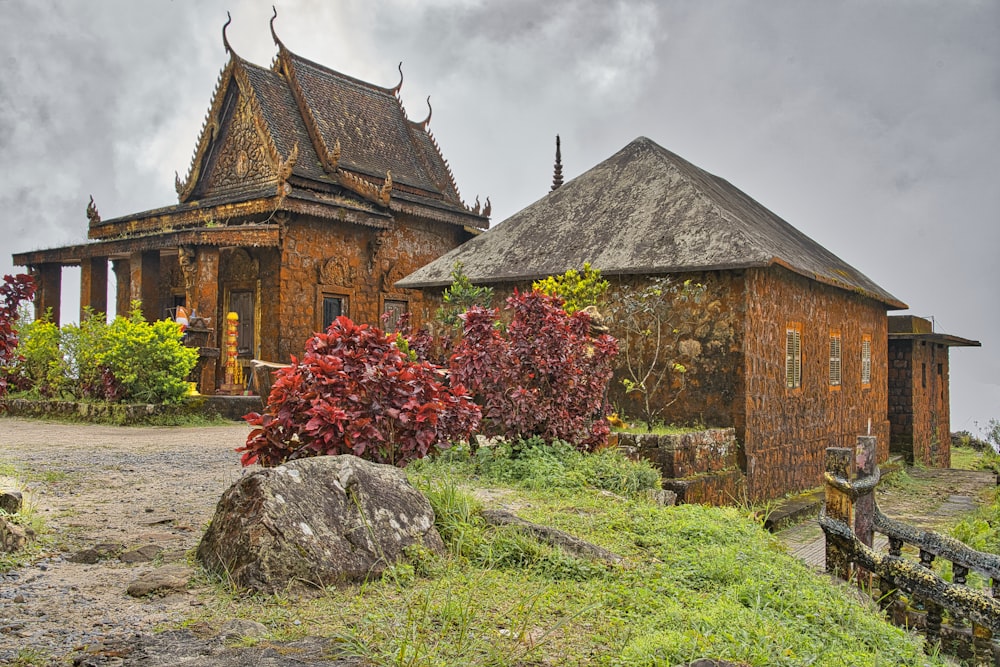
(839,464)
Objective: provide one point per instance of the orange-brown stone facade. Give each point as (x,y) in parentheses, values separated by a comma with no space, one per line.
(737,378)
(787,430)
(919,408)
(322,258)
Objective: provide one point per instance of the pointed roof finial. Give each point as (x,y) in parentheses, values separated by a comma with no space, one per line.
(399,86)
(557,177)
(225,39)
(430,112)
(274,35)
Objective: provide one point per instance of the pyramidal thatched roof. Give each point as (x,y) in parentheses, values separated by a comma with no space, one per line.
(644,210)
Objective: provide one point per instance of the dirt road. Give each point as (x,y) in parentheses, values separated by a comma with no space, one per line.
(113,490)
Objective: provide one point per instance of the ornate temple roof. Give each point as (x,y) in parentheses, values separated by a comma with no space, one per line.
(644,210)
(300,131)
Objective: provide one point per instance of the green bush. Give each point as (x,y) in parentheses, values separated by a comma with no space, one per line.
(577,289)
(128,360)
(148,360)
(41,367)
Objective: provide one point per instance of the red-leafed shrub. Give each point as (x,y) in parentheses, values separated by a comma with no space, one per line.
(355,392)
(15,289)
(546,375)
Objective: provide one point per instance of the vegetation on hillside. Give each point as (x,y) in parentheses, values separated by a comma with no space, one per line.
(697,582)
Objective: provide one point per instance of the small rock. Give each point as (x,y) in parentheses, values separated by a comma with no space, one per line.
(241,627)
(166,579)
(141,555)
(12,536)
(19,598)
(95,553)
(10,502)
(663,497)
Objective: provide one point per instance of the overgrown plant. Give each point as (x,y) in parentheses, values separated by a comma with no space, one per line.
(577,289)
(460,296)
(544,375)
(356,392)
(40,366)
(148,361)
(13,291)
(656,328)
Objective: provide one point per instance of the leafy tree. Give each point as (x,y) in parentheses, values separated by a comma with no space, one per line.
(460,296)
(656,326)
(577,289)
(544,375)
(355,391)
(13,291)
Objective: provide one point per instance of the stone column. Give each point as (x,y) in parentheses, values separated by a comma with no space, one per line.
(145,279)
(93,285)
(206,304)
(48,290)
(123,286)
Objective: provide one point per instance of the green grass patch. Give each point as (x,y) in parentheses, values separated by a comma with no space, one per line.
(659,428)
(966,458)
(697,582)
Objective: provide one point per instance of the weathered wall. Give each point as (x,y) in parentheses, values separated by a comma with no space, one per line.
(919,403)
(357,263)
(710,391)
(788,430)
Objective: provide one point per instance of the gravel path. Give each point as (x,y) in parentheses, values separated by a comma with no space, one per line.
(123,487)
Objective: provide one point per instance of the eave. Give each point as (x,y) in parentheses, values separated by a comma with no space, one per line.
(247,236)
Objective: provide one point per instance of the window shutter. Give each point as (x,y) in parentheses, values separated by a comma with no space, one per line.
(793,356)
(866,360)
(835,356)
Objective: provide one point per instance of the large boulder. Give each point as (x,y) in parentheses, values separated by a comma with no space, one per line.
(316,522)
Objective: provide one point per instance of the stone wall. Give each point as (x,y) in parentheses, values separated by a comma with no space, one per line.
(919,402)
(788,430)
(700,467)
(358,264)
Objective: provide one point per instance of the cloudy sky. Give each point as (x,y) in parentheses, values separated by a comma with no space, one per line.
(872,126)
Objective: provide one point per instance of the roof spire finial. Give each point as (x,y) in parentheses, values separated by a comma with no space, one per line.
(274,35)
(225,39)
(430,112)
(557,177)
(399,86)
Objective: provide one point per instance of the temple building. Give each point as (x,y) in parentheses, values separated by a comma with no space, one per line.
(309,195)
(794,344)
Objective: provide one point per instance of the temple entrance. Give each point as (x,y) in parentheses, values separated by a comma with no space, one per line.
(241,302)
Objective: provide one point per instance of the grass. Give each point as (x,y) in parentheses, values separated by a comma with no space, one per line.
(11,479)
(698,582)
(658,428)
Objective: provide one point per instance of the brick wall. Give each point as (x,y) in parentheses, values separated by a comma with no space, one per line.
(919,403)
(359,264)
(788,430)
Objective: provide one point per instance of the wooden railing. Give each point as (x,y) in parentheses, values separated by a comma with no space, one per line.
(851,518)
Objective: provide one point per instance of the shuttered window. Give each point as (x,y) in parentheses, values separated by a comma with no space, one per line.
(793,355)
(835,363)
(866,361)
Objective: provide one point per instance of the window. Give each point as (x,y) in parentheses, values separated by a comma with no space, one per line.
(333,307)
(392,311)
(866,361)
(835,365)
(793,355)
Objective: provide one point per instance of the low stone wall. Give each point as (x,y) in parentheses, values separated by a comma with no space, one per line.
(225,407)
(700,467)
(115,413)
